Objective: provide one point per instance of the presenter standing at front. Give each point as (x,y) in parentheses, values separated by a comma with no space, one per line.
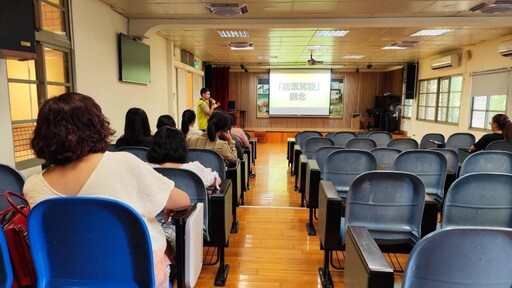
(205,108)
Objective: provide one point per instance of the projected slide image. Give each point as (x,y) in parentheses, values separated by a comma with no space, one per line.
(299,92)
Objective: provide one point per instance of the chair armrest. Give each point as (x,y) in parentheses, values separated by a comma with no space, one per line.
(312,182)
(329,216)
(365,265)
(221,215)
(301,182)
(179,219)
(234,173)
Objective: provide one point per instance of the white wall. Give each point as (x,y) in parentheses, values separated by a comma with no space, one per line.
(485,56)
(95,28)
(6,142)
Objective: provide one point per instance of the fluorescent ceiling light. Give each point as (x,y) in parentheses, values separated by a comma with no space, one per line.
(331,33)
(317,47)
(432,32)
(243,48)
(393,48)
(233,34)
(353,57)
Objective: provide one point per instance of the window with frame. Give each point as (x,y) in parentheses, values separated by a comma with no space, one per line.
(439,99)
(489,96)
(32,82)
(407,108)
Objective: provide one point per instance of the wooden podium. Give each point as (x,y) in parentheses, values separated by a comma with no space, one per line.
(360,122)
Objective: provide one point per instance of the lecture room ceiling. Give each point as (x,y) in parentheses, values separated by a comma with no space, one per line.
(284,32)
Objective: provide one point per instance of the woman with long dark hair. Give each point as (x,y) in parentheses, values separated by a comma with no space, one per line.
(217,137)
(501,130)
(188,120)
(136,129)
(170,150)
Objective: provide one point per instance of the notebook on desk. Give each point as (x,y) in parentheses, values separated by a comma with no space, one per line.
(463,154)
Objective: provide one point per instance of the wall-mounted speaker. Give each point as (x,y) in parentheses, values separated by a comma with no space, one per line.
(231,105)
(411,78)
(17,30)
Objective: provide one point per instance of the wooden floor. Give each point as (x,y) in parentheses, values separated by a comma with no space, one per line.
(272,248)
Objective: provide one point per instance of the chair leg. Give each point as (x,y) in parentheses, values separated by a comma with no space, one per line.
(323,272)
(310,226)
(222,273)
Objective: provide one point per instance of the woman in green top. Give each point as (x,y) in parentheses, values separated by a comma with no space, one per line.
(205,108)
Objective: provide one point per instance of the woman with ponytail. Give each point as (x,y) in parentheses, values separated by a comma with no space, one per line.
(501,128)
(217,137)
(188,120)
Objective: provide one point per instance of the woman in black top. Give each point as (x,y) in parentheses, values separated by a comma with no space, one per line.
(502,130)
(136,129)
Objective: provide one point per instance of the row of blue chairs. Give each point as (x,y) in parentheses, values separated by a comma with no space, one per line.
(390,205)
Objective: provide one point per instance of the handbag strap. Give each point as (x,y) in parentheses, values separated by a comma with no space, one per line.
(9,194)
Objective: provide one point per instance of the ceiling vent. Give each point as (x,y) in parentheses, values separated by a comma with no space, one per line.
(493,6)
(505,48)
(449,61)
(241,45)
(226,9)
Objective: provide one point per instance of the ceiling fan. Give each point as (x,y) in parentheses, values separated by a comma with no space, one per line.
(312,61)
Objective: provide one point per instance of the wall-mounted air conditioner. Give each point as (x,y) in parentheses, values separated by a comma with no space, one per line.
(505,48)
(452,60)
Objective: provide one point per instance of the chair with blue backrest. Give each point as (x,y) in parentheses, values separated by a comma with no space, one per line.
(500,145)
(343,166)
(341,138)
(361,144)
(388,203)
(385,157)
(459,258)
(139,151)
(430,139)
(10,180)
(452,168)
(403,144)
(430,166)
(460,140)
(218,209)
(314,170)
(89,242)
(298,149)
(192,184)
(487,161)
(211,159)
(308,151)
(479,199)
(381,138)
(6,273)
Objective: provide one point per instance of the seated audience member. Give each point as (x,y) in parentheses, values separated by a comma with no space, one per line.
(170,150)
(72,135)
(238,132)
(501,128)
(165,120)
(136,129)
(240,135)
(188,120)
(217,137)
